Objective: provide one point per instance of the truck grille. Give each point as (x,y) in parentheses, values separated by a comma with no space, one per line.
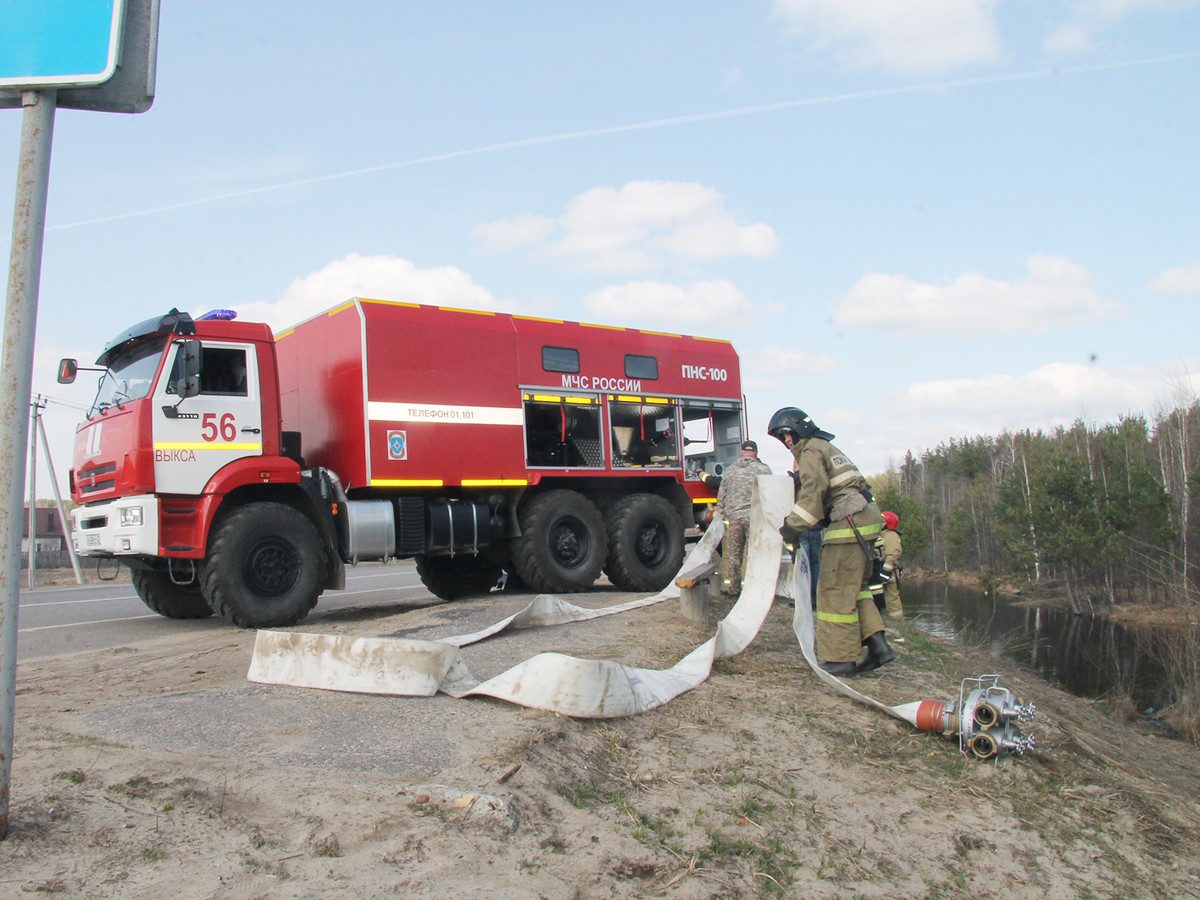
(89,481)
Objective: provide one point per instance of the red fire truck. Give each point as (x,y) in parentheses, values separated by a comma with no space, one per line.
(238,472)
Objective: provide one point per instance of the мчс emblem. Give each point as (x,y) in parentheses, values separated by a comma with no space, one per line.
(397,445)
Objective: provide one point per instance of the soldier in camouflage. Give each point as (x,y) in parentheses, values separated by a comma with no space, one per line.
(733,506)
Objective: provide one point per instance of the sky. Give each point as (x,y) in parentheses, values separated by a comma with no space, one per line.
(917,220)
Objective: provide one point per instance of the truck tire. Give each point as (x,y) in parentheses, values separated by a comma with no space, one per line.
(454,577)
(165,597)
(265,567)
(562,544)
(645,543)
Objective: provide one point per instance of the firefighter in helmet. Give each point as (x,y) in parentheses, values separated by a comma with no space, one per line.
(889,548)
(832,493)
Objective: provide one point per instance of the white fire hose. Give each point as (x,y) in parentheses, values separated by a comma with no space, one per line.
(607,689)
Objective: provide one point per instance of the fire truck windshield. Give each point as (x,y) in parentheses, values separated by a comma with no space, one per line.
(129,376)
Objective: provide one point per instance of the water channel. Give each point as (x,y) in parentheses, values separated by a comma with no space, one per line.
(1087,655)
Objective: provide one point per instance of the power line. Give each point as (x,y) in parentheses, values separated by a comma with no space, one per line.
(666,122)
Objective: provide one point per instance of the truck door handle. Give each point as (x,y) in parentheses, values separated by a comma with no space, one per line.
(252,430)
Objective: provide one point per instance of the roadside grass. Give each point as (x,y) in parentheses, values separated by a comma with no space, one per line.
(1179,656)
(153,853)
(734,805)
(327,846)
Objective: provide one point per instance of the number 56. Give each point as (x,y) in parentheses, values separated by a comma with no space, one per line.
(226,429)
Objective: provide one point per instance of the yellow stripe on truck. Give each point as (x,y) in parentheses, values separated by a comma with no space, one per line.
(185,445)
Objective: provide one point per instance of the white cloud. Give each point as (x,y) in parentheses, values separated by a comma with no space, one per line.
(718,302)
(1087,19)
(374,277)
(506,235)
(1053,390)
(776,361)
(1181,280)
(926,414)
(732,77)
(713,237)
(642,227)
(1056,292)
(906,36)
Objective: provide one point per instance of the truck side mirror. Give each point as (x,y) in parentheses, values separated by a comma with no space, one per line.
(67,370)
(187,371)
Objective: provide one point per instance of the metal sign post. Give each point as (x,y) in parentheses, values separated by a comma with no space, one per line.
(16,384)
(88,54)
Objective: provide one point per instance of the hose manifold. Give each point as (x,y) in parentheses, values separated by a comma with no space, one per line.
(985,717)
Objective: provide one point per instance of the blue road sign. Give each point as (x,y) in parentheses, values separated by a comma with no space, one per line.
(59,43)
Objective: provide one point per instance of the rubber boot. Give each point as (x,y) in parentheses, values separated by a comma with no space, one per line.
(879,653)
(840,669)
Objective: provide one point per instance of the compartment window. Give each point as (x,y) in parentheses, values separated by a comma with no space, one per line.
(562,431)
(560,359)
(712,435)
(644,431)
(641,366)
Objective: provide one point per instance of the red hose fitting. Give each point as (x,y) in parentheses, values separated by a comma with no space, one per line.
(931,716)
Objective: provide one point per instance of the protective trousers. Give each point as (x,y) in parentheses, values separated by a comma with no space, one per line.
(891,597)
(846,613)
(733,550)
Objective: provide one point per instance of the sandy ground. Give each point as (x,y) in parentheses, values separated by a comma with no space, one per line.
(158,770)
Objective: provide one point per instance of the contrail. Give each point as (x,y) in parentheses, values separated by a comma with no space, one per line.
(668,122)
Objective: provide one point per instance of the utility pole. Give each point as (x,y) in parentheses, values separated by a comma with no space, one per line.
(62,512)
(35,406)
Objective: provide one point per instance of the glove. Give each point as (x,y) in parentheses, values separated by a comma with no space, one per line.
(885,574)
(788,533)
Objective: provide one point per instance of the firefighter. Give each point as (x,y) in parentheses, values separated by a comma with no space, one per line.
(733,506)
(811,542)
(889,549)
(832,493)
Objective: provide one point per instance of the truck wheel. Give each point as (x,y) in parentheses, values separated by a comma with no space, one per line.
(645,543)
(265,568)
(562,544)
(454,577)
(165,597)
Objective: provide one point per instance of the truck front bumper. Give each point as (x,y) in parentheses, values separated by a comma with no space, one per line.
(127,526)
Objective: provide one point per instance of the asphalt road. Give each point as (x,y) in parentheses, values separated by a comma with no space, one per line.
(74,618)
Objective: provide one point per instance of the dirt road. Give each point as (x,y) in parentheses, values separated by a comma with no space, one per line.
(157,770)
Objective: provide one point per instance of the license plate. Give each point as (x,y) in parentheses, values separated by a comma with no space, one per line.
(92,540)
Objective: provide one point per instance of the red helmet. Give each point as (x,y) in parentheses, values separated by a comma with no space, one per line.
(891,521)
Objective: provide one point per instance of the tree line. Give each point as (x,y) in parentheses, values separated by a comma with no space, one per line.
(1104,513)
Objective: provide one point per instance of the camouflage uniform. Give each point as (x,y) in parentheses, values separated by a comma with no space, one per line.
(733,506)
(831,489)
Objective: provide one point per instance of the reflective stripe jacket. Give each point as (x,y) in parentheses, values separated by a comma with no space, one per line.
(829,480)
(889,548)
